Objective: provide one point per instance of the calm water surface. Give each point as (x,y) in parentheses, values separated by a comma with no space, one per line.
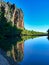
(36,51)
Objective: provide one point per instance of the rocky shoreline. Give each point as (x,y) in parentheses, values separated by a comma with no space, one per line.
(5,60)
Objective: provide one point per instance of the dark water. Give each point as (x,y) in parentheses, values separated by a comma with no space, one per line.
(36,52)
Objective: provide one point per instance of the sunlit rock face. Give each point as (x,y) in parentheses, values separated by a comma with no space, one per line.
(18,18)
(13,14)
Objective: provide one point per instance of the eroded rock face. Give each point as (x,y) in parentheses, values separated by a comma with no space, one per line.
(13,14)
(18,18)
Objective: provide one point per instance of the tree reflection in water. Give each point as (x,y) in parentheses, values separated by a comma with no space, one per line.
(14,47)
(48,37)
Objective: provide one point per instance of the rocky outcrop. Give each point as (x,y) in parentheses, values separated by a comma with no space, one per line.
(13,14)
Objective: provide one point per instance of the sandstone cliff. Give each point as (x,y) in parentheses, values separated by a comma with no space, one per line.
(13,14)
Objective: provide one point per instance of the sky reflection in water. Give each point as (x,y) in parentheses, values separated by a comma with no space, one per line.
(36,51)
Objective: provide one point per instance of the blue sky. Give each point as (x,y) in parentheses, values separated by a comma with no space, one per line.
(36,13)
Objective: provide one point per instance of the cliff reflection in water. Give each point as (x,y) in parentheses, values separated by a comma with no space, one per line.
(17,51)
(14,48)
